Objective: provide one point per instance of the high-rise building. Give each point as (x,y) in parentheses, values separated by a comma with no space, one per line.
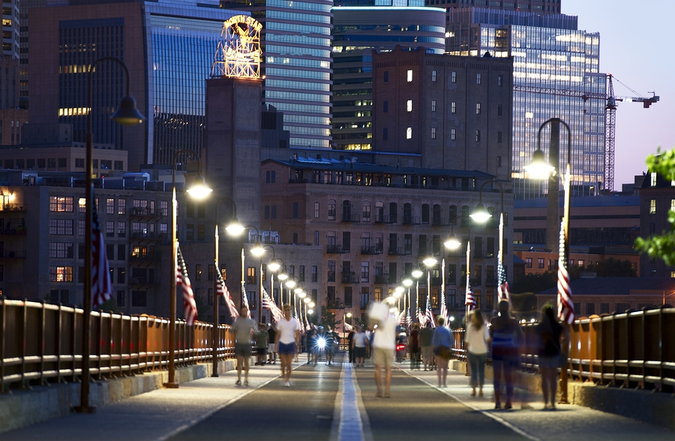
(169,48)
(10,28)
(359,28)
(540,7)
(297,42)
(555,74)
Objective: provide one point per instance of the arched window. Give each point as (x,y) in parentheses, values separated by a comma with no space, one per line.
(436,220)
(407,213)
(452,215)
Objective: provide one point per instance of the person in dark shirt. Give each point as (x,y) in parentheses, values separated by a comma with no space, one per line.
(271,350)
(350,337)
(330,345)
(551,336)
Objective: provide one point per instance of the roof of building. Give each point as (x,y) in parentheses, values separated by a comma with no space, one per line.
(348,165)
(618,286)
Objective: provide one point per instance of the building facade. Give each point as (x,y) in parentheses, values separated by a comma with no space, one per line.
(375,224)
(556,73)
(454,111)
(360,28)
(167,45)
(297,44)
(657,198)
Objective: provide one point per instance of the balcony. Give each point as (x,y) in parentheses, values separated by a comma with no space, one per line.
(336,249)
(382,279)
(145,212)
(351,218)
(372,250)
(146,257)
(17,254)
(330,276)
(411,220)
(349,278)
(398,251)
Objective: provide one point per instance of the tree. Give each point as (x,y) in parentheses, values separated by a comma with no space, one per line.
(327,318)
(612,267)
(663,245)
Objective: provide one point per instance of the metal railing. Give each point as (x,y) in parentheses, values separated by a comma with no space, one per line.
(631,349)
(42,342)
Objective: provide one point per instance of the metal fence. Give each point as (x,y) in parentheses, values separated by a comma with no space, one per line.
(42,342)
(635,349)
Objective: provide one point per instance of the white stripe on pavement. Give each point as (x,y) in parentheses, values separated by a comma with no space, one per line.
(350,421)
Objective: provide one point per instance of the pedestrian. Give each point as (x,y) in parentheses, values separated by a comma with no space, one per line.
(350,346)
(311,347)
(330,345)
(506,335)
(271,349)
(426,334)
(360,341)
(384,348)
(288,338)
(442,344)
(414,345)
(244,328)
(476,343)
(261,344)
(551,337)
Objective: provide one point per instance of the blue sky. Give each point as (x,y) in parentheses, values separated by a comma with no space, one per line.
(634,48)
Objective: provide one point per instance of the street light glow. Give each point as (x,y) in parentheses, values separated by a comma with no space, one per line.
(539,168)
(407,282)
(430,261)
(199,190)
(480,214)
(452,243)
(417,273)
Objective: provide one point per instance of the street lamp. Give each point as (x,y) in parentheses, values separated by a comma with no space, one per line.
(197,191)
(258,250)
(234,228)
(429,262)
(127,115)
(417,273)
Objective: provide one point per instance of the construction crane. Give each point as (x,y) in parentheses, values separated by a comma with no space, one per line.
(610,124)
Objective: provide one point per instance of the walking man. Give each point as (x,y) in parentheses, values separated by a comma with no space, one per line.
(271,350)
(384,349)
(244,328)
(426,335)
(288,338)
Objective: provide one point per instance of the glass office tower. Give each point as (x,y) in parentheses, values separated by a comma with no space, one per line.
(555,74)
(358,31)
(296,48)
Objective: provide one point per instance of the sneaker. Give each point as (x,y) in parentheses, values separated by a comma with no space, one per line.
(498,405)
(287,384)
(238,383)
(246,383)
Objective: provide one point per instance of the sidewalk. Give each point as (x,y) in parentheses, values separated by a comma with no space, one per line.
(154,415)
(530,420)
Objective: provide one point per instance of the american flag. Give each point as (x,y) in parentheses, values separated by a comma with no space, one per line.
(444,309)
(502,284)
(565,304)
(268,303)
(244,294)
(223,291)
(430,314)
(408,318)
(470,299)
(101,288)
(421,317)
(182,280)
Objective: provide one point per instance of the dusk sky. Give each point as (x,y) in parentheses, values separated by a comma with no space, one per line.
(634,47)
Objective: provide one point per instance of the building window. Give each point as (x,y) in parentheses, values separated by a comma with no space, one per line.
(453,134)
(61,250)
(61,227)
(385,106)
(60,273)
(270,176)
(295,210)
(386,76)
(540,262)
(110,229)
(433,105)
(331,210)
(477,135)
(453,77)
(409,76)
(274,212)
(365,272)
(433,75)
(365,212)
(315,272)
(110,206)
(477,108)
(317,210)
(652,177)
(250,275)
(316,238)
(479,78)
(79,162)
(409,105)
(499,137)
(500,80)
(408,133)
(385,134)
(672,204)
(61,204)
(267,211)
(433,133)
(453,107)
(528,262)
(500,110)
(590,309)
(652,206)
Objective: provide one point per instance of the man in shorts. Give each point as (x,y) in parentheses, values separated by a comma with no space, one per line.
(384,349)
(272,350)
(288,338)
(426,335)
(244,328)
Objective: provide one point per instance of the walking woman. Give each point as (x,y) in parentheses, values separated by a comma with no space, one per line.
(476,340)
(550,348)
(442,342)
(506,336)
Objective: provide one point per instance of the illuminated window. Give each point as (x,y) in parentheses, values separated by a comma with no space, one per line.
(477,108)
(653,179)
(433,75)
(453,77)
(477,135)
(652,206)
(409,75)
(60,273)
(478,78)
(453,107)
(672,204)
(433,133)
(61,203)
(408,105)
(408,133)
(433,105)
(453,134)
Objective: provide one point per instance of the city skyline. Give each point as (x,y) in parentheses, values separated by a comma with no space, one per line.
(630,50)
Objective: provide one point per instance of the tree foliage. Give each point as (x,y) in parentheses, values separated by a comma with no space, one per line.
(663,245)
(612,267)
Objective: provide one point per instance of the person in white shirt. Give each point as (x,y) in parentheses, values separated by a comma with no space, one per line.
(359,342)
(384,349)
(288,338)
(476,340)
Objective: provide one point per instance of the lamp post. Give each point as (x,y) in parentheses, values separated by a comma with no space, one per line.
(198,191)
(282,278)
(407,283)
(429,262)
(258,250)
(234,228)
(273,266)
(481,215)
(539,168)
(417,273)
(127,115)
(290,285)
